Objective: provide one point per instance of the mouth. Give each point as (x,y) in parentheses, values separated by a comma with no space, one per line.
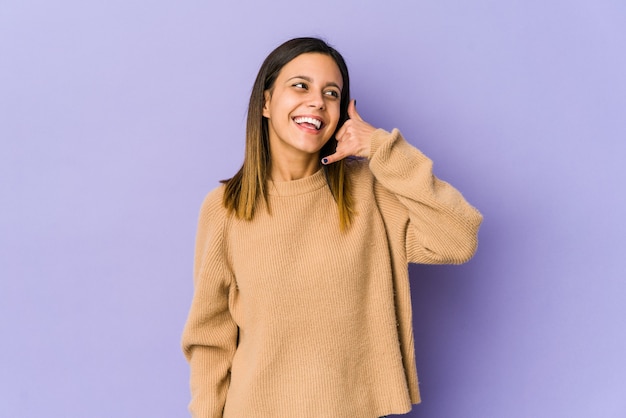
(309,122)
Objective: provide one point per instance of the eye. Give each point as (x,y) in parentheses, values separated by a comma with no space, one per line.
(300,85)
(332,93)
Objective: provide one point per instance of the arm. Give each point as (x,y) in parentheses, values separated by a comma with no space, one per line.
(432,218)
(210,336)
(439,225)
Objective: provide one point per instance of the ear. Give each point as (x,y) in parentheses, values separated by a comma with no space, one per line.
(266,103)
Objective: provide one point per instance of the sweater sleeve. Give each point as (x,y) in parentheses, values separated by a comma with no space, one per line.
(210,335)
(433,219)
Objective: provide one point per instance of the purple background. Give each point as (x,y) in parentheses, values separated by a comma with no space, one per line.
(116,117)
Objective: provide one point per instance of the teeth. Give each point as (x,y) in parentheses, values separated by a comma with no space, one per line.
(312,121)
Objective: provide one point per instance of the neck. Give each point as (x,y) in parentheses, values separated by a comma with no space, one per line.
(286,170)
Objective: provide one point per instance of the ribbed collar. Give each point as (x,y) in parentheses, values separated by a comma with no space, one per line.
(296,187)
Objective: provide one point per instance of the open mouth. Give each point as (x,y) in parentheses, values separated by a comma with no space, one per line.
(309,122)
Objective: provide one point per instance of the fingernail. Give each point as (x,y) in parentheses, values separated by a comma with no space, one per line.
(354,102)
(325,160)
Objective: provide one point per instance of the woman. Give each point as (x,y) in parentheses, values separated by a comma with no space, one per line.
(302,305)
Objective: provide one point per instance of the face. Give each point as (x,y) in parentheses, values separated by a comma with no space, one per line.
(302,107)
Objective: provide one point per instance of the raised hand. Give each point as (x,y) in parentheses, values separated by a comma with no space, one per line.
(353,138)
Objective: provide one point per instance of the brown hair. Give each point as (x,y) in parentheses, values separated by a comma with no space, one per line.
(249,184)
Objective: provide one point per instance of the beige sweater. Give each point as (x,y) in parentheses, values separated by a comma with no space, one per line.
(293,318)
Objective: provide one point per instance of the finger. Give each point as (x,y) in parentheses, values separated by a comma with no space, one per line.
(340,133)
(333,158)
(352,111)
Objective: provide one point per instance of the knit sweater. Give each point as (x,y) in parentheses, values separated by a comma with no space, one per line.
(293,318)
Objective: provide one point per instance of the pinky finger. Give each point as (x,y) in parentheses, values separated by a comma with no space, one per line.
(330,159)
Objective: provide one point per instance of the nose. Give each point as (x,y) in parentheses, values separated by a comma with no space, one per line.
(316,100)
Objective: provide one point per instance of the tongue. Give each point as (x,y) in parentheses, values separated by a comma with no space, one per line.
(308,125)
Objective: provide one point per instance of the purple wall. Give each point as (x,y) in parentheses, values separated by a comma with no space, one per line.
(116,117)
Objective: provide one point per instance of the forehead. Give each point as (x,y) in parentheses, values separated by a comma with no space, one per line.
(320,68)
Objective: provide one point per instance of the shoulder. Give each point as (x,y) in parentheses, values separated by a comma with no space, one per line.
(359,171)
(212,209)
(361,180)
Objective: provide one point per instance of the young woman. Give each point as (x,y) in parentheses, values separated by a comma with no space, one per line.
(302,305)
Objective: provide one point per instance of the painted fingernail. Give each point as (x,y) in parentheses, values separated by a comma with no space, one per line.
(325,160)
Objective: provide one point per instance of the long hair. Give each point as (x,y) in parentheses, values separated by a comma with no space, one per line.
(244,189)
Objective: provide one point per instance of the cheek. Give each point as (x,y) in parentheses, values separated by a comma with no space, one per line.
(335,112)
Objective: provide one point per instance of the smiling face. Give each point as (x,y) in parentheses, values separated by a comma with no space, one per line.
(303,107)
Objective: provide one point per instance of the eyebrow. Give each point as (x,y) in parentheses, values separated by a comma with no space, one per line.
(310,80)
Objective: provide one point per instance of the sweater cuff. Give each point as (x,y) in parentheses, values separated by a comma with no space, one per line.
(378,137)
(392,154)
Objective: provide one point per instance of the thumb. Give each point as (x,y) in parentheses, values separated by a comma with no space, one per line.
(352,111)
